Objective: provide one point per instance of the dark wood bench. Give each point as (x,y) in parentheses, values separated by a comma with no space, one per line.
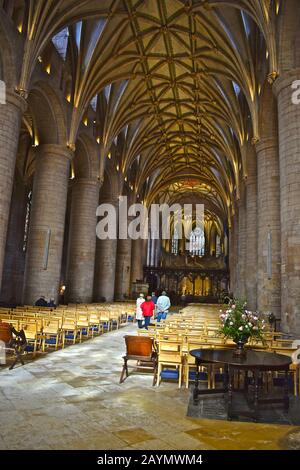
(141,350)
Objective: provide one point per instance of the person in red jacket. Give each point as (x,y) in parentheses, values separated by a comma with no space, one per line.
(148,308)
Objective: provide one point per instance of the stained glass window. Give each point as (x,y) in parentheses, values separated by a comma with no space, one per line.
(60,41)
(218,246)
(175,243)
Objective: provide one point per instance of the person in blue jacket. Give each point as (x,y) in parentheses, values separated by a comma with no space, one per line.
(163,304)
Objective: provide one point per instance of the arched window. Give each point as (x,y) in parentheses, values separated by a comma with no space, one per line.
(175,243)
(60,41)
(197,242)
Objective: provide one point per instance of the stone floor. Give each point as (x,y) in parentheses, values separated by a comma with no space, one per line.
(71,399)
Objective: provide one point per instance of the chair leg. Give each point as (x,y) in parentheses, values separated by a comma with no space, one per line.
(154,374)
(34,348)
(124,371)
(122,374)
(158,375)
(187,376)
(180,376)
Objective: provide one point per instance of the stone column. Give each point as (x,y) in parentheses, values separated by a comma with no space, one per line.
(82,241)
(242,239)
(122,289)
(289,164)
(47,223)
(137,259)
(251,224)
(105,267)
(13,273)
(268,283)
(233,254)
(123,269)
(10,122)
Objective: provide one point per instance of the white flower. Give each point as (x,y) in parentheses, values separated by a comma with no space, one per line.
(241,328)
(231,323)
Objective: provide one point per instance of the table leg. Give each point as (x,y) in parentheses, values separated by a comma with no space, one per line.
(286,399)
(256,393)
(196,389)
(226,381)
(246,384)
(230,393)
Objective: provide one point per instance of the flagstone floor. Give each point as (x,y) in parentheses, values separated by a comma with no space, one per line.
(72,399)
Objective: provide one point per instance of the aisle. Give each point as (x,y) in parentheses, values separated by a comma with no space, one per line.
(71,399)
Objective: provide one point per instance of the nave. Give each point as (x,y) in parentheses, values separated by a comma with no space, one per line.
(72,399)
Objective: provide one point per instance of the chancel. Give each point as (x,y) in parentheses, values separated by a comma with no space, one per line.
(116,115)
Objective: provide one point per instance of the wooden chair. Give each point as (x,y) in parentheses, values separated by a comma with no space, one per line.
(95,325)
(139,349)
(295,370)
(105,321)
(52,335)
(170,354)
(189,362)
(33,335)
(70,331)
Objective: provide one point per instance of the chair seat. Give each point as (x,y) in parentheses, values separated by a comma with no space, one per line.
(219,377)
(70,336)
(50,340)
(279,381)
(202,376)
(141,358)
(170,374)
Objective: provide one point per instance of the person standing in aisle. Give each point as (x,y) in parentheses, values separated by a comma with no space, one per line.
(163,305)
(148,308)
(139,312)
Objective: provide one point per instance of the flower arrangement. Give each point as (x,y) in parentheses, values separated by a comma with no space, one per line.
(241,324)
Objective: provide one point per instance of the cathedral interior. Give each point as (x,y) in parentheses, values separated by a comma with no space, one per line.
(165,102)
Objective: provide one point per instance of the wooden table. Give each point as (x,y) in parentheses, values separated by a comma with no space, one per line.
(255,362)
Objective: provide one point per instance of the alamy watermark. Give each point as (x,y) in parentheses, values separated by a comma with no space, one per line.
(296,93)
(160,221)
(2,92)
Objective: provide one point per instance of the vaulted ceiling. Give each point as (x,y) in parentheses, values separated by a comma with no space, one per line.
(175,84)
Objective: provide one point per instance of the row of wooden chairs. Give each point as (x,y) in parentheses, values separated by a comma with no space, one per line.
(48,327)
(180,333)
